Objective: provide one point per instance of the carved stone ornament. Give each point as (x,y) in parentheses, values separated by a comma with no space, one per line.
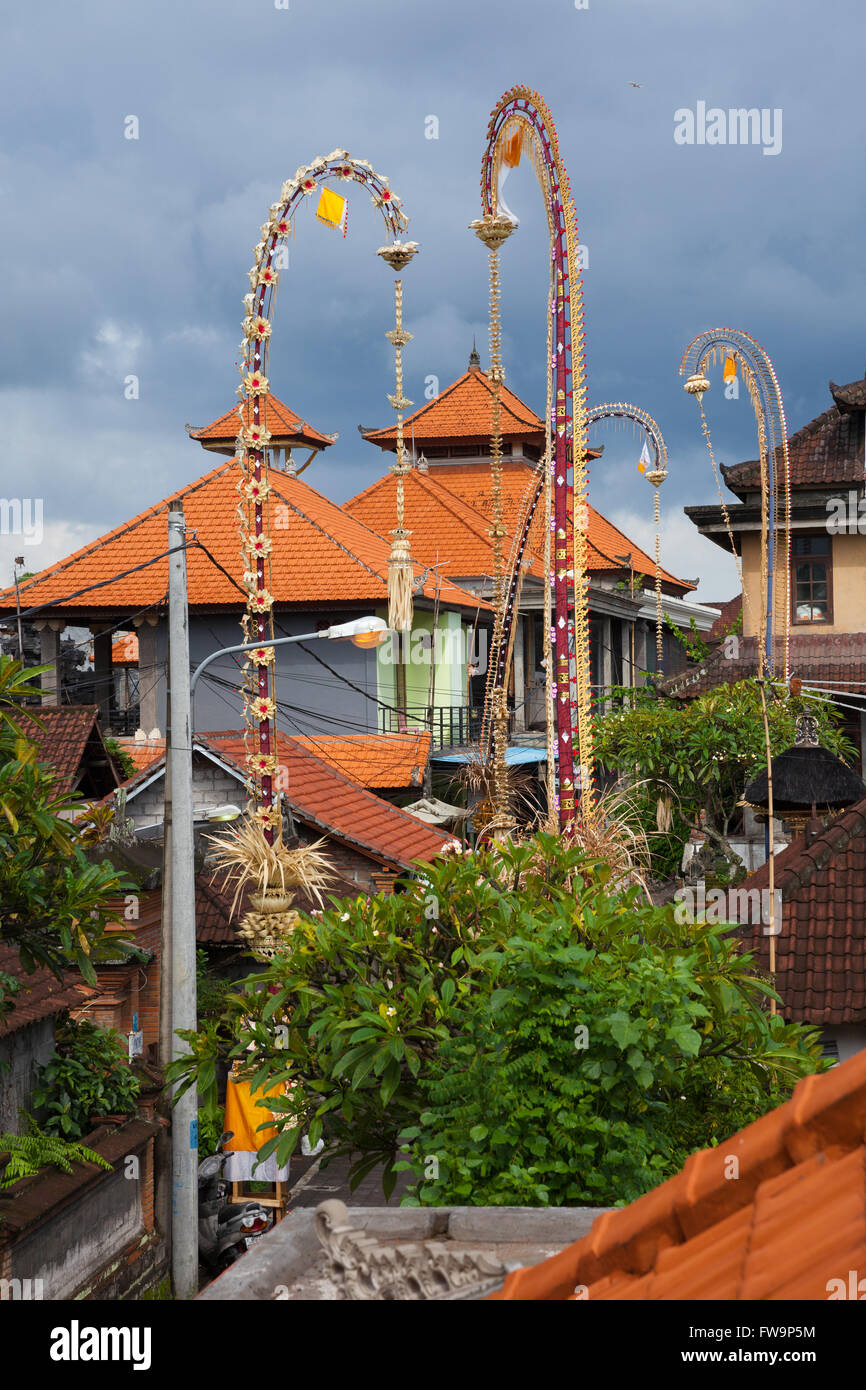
(807,731)
(364,1268)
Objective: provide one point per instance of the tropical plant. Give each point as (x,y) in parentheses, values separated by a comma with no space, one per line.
(696,757)
(89,1074)
(410,1020)
(54,904)
(27,1154)
(122,759)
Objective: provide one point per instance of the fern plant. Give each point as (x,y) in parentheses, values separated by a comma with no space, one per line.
(27,1154)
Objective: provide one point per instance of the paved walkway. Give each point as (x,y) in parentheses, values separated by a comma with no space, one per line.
(312,1183)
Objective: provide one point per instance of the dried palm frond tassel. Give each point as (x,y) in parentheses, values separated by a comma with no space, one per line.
(400,580)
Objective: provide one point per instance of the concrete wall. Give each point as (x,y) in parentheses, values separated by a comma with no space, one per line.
(318,701)
(848,587)
(210,787)
(450,648)
(20,1053)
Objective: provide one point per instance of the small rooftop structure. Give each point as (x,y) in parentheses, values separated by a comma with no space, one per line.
(807,779)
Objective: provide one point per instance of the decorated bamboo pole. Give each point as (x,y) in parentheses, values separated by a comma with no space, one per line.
(257,854)
(522,114)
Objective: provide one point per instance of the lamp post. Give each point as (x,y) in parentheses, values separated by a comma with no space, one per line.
(362,632)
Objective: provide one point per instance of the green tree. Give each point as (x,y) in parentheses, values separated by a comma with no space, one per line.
(89,1074)
(55,905)
(697,756)
(404,1024)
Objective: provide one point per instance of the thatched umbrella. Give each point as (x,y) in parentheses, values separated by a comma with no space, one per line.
(808,780)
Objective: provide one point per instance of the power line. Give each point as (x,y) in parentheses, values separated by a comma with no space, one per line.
(40,608)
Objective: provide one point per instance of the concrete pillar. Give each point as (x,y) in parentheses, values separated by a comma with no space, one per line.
(103,674)
(148,673)
(642,650)
(520,691)
(49,630)
(627,672)
(606,667)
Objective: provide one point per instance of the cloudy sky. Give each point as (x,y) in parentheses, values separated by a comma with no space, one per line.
(128,256)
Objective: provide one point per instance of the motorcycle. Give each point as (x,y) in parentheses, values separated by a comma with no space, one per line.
(225,1230)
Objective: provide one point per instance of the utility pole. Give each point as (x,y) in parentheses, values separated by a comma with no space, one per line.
(19,563)
(184,1130)
(163,1186)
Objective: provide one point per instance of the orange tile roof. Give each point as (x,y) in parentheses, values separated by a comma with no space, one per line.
(373,760)
(143,754)
(68,733)
(124,650)
(321,555)
(449,508)
(792,1221)
(283,423)
(323,796)
(463,411)
(42,995)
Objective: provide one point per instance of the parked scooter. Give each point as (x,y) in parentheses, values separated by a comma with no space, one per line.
(225,1229)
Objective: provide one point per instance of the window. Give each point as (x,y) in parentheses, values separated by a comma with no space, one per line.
(811,580)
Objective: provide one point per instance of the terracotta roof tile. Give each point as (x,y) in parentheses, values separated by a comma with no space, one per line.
(41,995)
(794,1220)
(143,754)
(837,659)
(63,741)
(449,510)
(282,422)
(321,555)
(828,450)
(464,411)
(821,950)
(730,611)
(124,650)
(373,760)
(321,795)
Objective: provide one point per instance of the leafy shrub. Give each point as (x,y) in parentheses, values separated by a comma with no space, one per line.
(27,1154)
(89,1074)
(698,756)
(442,1023)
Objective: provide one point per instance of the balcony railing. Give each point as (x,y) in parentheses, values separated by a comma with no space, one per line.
(452,726)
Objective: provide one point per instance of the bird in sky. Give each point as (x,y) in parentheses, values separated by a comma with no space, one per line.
(635,84)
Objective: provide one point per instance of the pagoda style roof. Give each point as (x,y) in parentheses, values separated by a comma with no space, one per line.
(449,509)
(321,555)
(463,411)
(285,426)
(828,451)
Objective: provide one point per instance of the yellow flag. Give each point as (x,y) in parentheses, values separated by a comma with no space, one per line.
(512,152)
(729,371)
(331,209)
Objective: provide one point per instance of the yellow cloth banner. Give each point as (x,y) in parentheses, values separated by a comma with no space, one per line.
(331,209)
(244,1116)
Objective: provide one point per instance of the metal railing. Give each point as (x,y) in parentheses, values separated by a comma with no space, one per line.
(452,726)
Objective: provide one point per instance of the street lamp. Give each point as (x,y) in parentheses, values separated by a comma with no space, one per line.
(222,813)
(363,632)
